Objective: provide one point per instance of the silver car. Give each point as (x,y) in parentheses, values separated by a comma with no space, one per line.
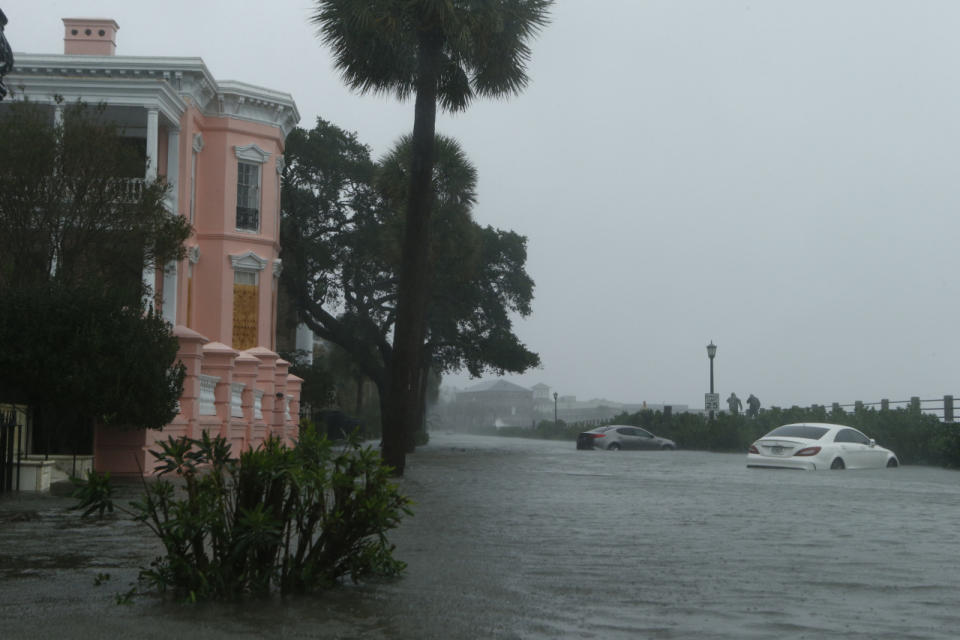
(620,436)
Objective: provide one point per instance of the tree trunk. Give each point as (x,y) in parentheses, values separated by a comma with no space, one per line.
(420,423)
(412,294)
(359,379)
(383,391)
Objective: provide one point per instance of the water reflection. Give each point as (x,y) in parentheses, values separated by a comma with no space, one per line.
(533,539)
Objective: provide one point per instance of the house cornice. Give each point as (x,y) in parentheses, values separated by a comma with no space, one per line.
(133,92)
(186,78)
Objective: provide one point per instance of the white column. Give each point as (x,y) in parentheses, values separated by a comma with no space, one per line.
(173,168)
(149,278)
(153,126)
(305,342)
(172,269)
(55,258)
(153,130)
(170,273)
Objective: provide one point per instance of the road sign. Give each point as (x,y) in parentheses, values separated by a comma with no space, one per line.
(711,402)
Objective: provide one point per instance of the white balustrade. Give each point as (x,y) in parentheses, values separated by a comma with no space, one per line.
(236,399)
(258,404)
(208,385)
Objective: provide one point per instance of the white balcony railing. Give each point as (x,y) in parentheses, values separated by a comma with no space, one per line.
(258,404)
(122,190)
(236,399)
(208,385)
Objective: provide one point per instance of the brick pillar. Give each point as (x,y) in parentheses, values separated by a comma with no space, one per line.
(126,451)
(245,371)
(191,355)
(218,361)
(266,382)
(280,372)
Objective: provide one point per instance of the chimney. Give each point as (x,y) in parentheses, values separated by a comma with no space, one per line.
(90,36)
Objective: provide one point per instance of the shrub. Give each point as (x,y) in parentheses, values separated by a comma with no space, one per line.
(95,494)
(278,519)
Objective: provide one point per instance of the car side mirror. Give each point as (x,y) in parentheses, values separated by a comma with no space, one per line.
(873,442)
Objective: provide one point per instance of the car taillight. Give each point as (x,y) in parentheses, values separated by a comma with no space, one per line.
(599,435)
(809,451)
(752,449)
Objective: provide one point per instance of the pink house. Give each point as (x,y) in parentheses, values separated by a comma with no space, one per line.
(219,143)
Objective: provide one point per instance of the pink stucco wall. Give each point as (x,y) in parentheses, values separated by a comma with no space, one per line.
(215,222)
(206,336)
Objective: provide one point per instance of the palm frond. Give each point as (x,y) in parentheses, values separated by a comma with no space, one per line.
(375,43)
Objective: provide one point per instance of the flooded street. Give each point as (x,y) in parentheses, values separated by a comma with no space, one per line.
(533,539)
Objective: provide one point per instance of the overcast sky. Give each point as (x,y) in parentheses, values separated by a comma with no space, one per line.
(779,177)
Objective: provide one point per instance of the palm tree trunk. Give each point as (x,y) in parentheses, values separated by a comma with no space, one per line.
(383,392)
(413,291)
(420,423)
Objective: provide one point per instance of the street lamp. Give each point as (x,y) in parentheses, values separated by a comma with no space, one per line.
(711,352)
(555,421)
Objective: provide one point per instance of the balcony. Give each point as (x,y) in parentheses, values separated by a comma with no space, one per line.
(248,218)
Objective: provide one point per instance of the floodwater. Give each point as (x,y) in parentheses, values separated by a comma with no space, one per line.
(532,539)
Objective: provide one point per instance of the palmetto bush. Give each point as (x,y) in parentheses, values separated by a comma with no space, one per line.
(287,519)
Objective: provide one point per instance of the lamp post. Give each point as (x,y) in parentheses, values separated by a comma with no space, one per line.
(711,352)
(555,421)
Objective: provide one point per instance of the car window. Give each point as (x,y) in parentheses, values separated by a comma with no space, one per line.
(798,431)
(851,435)
(643,433)
(626,431)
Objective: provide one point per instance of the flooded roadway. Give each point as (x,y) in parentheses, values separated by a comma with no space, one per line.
(533,539)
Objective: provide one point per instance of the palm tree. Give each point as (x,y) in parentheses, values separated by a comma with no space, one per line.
(453,237)
(441,51)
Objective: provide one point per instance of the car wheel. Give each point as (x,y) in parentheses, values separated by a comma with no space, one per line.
(613,447)
(837,464)
(892,463)
(668,447)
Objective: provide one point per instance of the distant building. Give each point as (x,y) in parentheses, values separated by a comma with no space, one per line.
(493,403)
(542,400)
(501,403)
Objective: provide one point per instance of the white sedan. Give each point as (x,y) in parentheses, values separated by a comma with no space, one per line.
(814,445)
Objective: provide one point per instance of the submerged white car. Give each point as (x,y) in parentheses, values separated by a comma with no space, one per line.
(815,445)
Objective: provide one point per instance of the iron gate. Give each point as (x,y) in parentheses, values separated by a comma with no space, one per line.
(9,460)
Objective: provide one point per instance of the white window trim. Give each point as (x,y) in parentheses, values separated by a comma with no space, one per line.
(259,188)
(251,153)
(248,262)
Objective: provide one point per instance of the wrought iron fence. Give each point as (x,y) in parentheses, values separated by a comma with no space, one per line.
(10,435)
(248,218)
